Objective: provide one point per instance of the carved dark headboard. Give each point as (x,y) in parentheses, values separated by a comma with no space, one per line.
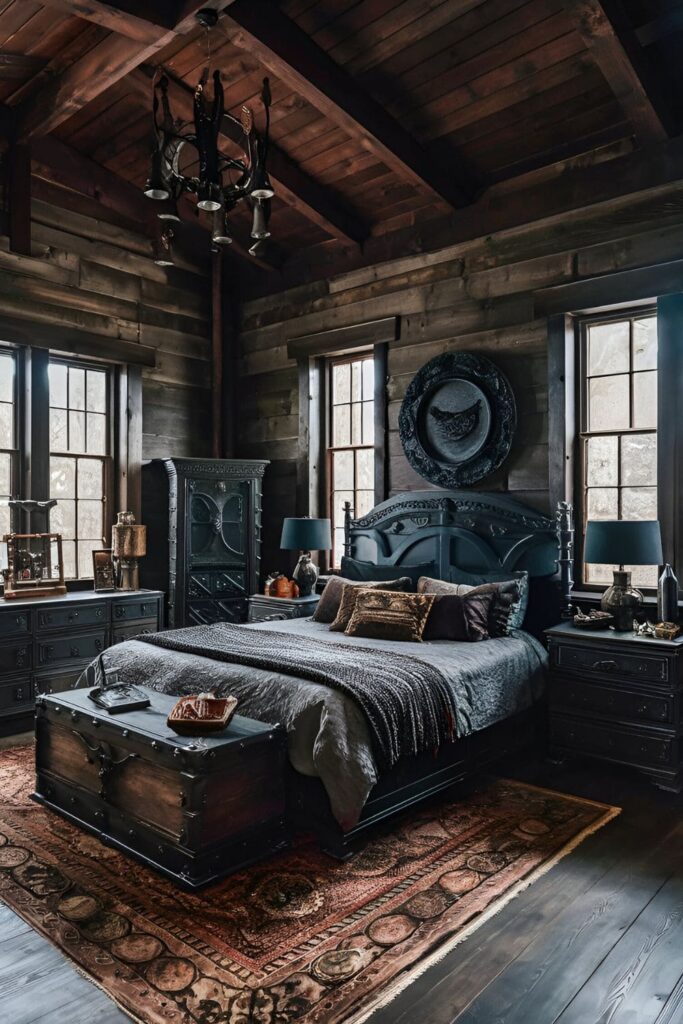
(470,531)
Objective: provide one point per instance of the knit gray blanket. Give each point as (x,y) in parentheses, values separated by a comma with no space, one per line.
(408,703)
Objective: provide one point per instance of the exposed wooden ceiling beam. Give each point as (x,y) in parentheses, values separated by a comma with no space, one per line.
(609,35)
(112,59)
(292,56)
(296,188)
(515,203)
(123,18)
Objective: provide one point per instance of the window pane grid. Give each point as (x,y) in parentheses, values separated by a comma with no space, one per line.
(619,419)
(79,462)
(8,450)
(351,443)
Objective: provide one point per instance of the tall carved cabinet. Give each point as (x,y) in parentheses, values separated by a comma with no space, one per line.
(203,519)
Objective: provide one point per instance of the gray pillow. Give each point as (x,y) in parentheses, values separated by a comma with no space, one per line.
(519,606)
(505,610)
(327,608)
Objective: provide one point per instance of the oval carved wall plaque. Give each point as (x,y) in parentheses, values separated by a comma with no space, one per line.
(457,420)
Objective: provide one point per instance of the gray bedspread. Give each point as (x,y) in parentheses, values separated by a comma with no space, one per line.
(328,735)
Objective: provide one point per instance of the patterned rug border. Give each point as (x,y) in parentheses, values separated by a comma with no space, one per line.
(407,978)
(404,981)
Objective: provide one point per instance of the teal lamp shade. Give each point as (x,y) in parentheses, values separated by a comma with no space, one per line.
(306,535)
(623,542)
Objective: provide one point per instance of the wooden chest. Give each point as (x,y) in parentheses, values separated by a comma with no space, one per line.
(193,808)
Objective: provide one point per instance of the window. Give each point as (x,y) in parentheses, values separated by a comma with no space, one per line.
(618,424)
(8,439)
(80,461)
(351,439)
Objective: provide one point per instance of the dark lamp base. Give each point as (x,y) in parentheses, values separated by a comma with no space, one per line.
(305,574)
(622,601)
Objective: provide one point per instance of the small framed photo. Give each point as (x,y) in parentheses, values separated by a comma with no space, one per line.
(103,569)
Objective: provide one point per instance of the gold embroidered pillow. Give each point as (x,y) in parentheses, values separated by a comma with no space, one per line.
(383,615)
(347,604)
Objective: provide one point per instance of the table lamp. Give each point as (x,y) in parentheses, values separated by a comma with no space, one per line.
(622,542)
(306,535)
(129,543)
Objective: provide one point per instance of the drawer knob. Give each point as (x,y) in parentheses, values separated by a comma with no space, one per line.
(642,709)
(72,616)
(605,665)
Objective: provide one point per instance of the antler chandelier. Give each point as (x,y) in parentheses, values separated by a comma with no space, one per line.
(219,181)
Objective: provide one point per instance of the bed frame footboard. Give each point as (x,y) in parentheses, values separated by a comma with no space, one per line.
(411,782)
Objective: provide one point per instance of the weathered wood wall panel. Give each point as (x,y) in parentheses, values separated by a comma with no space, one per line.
(479,296)
(89,276)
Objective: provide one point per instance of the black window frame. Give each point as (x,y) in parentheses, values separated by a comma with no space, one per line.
(31,469)
(107,460)
(359,355)
(582,322)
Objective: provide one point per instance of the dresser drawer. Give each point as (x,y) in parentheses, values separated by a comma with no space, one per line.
(121,633)
(57,682)
(613,743)
(15,655)
(579,660)
(61,650)
(14,623)
(124,611)
(612,701)
(16,696)
(72,616)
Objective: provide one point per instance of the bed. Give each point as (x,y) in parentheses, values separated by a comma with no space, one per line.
(337,784)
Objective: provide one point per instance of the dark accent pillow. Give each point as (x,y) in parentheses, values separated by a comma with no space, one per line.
(505,594)
(353,569)
(460,617)
(383,615)
(330,599)
(519,606)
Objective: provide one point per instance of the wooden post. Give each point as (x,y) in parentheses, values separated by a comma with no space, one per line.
(216,356)
(20,198)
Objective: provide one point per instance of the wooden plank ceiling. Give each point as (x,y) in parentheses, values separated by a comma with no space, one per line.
(386,113)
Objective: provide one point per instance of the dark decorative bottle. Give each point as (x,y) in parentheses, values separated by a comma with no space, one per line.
(667,596)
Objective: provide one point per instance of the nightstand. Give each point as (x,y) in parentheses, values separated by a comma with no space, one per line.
(270,609)
(617,697)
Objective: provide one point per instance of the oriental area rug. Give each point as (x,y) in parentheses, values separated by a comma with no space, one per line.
(299,937)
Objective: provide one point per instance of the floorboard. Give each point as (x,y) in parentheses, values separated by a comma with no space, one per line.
(597,940)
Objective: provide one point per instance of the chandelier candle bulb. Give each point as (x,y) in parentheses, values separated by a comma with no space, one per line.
(218,181)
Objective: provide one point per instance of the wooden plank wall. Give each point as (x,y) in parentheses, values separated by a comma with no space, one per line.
(479,296)
(94,276)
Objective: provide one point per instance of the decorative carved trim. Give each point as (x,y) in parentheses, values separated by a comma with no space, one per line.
(227,468)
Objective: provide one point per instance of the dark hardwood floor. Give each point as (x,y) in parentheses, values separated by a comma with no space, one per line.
(597,940)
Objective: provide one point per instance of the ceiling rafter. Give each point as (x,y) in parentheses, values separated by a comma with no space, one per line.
(609,36)
(293,57)
(296,188)
(107,63)
(116,58)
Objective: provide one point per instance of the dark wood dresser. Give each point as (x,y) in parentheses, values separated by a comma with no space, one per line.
(45,643)
(203,519)
(617,697)
(193,808)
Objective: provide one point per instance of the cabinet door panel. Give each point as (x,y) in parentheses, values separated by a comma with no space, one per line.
(16,696)
(217,532)
(204,613)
